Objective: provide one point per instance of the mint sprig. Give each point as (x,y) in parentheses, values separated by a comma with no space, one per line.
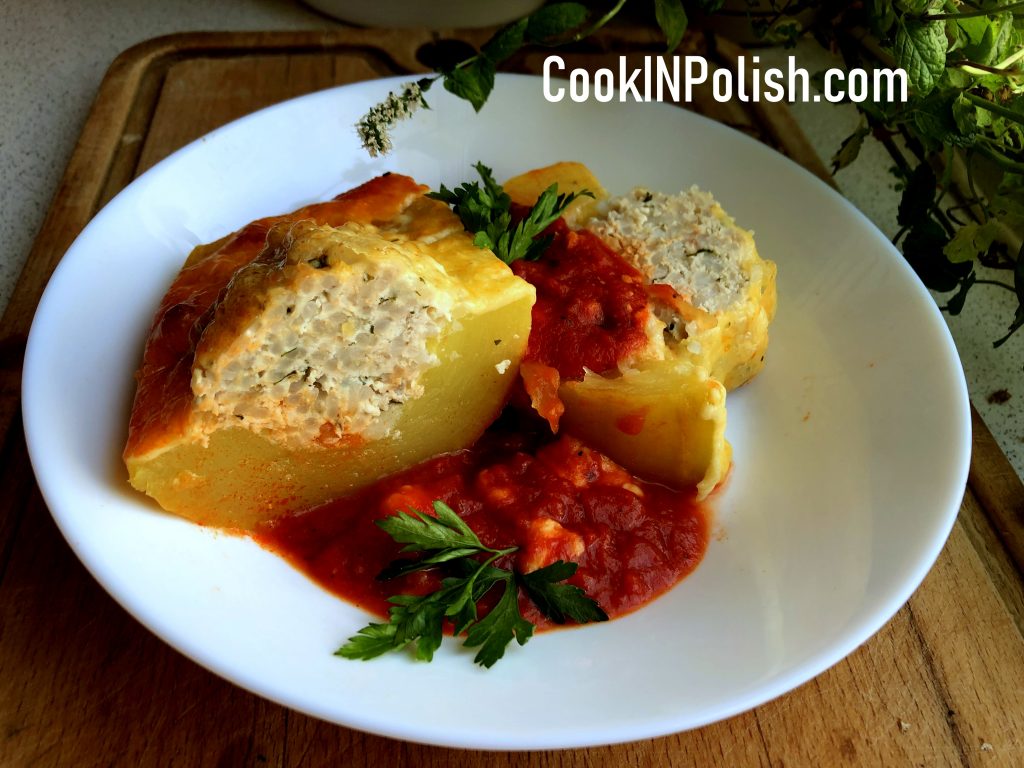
(472,78)
(962,125)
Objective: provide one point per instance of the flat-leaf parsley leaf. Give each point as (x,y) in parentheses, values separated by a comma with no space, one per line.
(447,542)
(486,212)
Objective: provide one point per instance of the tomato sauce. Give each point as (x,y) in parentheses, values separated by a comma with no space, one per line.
(592,306)
(518,486)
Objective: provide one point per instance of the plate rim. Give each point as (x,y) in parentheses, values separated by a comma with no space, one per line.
(810,668)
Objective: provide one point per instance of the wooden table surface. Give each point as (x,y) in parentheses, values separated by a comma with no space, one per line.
(83,684)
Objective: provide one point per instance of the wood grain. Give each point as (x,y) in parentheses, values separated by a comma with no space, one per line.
(83,684)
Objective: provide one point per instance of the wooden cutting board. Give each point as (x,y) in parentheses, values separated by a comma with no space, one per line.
(82,683)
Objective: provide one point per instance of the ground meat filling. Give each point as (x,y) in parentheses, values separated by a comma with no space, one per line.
(339,334)
(683,240)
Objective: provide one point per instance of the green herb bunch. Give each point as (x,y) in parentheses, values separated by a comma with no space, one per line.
(448,544)
(963,125)
(487,213)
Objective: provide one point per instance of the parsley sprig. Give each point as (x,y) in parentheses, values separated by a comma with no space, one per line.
(446,541)
(486,212)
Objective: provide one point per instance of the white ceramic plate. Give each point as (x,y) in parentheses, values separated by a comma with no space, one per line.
(851,449)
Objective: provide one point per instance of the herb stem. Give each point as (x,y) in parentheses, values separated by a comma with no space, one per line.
(1003,162)
(976,68)
(970,14)
(487,564)
(602,21)
(1012,59)
(499,552)
(995,108)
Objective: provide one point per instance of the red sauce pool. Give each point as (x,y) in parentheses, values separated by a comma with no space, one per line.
(552,497)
